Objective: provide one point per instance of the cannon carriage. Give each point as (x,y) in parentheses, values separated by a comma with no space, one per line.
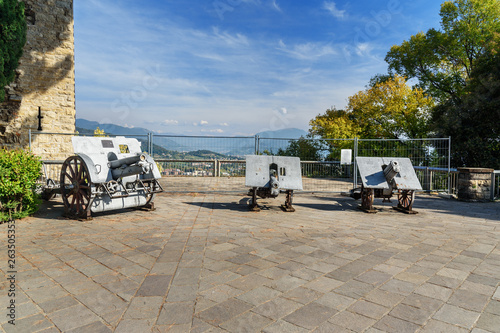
(381,177)
(107,174)
(269,175)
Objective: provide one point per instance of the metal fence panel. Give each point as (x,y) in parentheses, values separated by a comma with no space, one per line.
(430,157)
(322,170)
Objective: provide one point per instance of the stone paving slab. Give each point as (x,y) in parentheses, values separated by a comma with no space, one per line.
(203,263)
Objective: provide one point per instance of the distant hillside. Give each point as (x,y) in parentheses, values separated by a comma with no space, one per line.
(287,133)
(111,128)
(177,146)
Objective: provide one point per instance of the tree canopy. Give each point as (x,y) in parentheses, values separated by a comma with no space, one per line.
(443,60)
(473,122)
(389,109)
(12,40)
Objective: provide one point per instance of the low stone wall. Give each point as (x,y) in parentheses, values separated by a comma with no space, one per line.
(474,184)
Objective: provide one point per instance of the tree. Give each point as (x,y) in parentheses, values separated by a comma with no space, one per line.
(389,109)
(308,149)
(474,121)
(12,40)
(99,132)
(443,60)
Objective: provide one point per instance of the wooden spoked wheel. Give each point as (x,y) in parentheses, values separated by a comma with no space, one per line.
(405,199)
(76,187)
(367,198)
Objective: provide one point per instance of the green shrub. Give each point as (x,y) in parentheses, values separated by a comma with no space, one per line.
(19,171)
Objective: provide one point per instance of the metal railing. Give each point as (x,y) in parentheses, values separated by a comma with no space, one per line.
(495,185)
(437,179)
(213,156)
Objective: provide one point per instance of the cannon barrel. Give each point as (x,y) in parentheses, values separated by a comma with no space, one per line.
(391,170)
(131,170)
(126,161)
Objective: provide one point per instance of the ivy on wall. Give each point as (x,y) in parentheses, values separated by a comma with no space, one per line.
(12,40)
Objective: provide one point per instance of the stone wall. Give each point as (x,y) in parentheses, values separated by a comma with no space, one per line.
(474,184)
(45,79)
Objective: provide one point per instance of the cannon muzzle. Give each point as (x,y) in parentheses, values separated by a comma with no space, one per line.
(391,170)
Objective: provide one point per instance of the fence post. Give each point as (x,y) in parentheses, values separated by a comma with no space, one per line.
(449,165)
(257,144)
(355,182)
(493,186)
(29,139)
(427,179)
(151,143)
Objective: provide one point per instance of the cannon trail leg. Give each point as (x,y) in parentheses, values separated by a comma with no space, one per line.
(76,188)
(287,207)
(405,201)
(253,204)
(367,197)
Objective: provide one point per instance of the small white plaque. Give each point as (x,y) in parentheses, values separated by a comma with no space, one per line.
(346,157)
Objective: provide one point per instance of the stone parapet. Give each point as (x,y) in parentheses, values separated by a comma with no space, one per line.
(474,184)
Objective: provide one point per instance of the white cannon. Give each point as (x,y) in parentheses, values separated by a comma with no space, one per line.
(381,176)
(269,175)
(107,174)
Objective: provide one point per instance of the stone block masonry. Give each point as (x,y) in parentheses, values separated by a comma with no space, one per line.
(474,184)
(46,79)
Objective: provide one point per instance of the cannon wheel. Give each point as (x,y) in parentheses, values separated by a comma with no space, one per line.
(405,201)
(76,188)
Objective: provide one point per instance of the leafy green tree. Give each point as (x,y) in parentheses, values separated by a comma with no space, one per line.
(12,40)
(307,149)
(473,122)
(443,60)
(389,109)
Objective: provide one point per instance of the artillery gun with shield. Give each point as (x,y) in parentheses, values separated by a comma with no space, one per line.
(107,174)
(269,175)
(382,176)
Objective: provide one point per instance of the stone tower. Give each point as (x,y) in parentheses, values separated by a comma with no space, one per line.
(45,79)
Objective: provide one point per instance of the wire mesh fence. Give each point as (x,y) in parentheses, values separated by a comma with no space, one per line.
(321,159)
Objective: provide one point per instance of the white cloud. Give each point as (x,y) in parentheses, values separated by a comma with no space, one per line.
(203,122)
(218,130)
(167,122)
(232,40)
(308,51)
(332,8)
(224,124)
(275,5)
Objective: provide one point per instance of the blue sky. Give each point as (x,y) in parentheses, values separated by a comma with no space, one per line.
(232,67)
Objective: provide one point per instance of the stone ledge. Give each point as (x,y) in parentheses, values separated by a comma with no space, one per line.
(475,170)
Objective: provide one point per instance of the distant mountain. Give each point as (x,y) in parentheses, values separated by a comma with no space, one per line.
(111,128)
(184,143)
(287,133)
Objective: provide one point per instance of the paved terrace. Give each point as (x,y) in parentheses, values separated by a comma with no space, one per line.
(204,263)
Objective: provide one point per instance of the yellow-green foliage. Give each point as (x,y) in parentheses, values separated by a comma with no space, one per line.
(99,132)
(19,171)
